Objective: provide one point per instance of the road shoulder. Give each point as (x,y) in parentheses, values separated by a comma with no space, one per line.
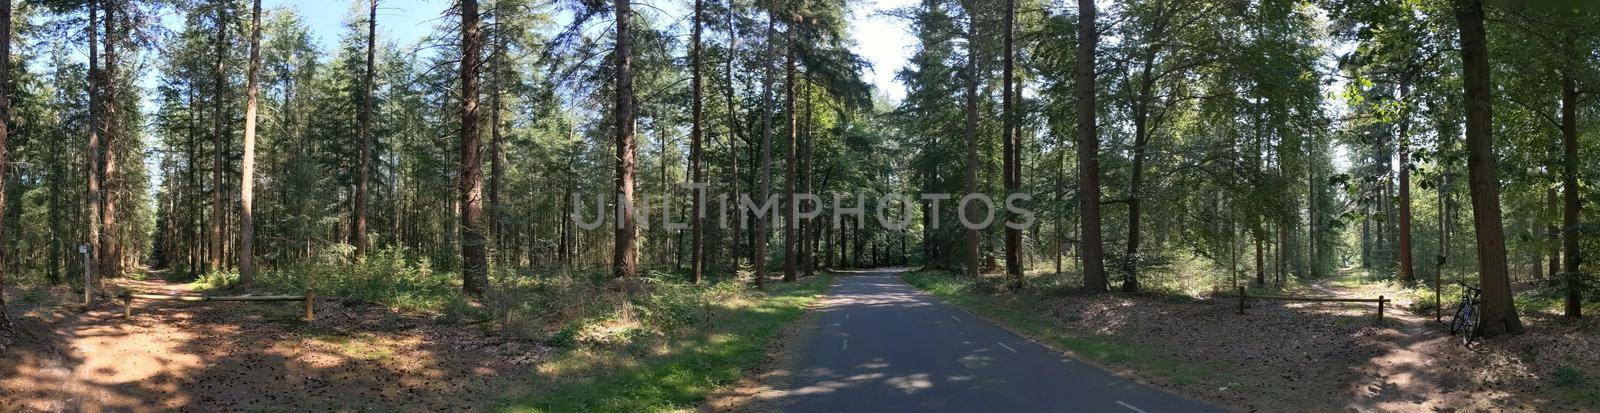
(763,388)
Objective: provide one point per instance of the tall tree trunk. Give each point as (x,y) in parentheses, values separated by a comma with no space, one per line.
(1444,236)
(195,191)
(92,273)
(474,257)
(1312,221)
(855,233)
(1552,206)
(5,165)
(973,247)
(1061,226)
(497,152)
(358,234)
(1498,314)
(1141,134)
(696,216)
(247,220)
(674,249)
(625,261)
(1233,249)
(844,249)
(789,240)
(1281,262)
(808,227)
(759,254)
(111,257)
(1403,144)
(58,169)
(1013,181)
(1366,234)
(1569,189)
(1380,250)
(733,144)
(218,140)
(1094,274)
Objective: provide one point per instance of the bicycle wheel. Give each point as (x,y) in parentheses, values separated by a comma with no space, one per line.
(1469,325)
(1455,323)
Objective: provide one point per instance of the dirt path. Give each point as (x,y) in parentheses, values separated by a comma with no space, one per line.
(1408,374)
(1421,367)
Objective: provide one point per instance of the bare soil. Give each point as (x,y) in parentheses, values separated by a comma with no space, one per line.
(219,356)
(1301,356)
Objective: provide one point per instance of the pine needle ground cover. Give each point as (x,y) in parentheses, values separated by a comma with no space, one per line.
(1297,356)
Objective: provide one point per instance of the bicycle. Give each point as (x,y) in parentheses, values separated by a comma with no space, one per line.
(1467,314)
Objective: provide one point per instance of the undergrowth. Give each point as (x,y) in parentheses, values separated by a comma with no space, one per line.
(387,277)
(666,349)
(652,343)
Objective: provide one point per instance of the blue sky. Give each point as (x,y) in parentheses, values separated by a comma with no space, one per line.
(404,20)
(881,40)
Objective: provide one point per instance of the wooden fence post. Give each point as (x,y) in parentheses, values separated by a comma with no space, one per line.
(311,299)
(88,275)
(1381,301)
(127,307)
(1241,299)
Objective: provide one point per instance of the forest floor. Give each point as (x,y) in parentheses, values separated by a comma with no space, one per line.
(235,356)
(1555,366)
(230,356)
(1300,356)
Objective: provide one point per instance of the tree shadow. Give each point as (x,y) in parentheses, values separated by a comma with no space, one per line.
(882,345)
(248,356)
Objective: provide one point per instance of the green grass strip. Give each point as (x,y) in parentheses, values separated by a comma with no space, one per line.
(680,381)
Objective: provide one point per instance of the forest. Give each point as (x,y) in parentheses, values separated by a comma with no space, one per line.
(1145,164)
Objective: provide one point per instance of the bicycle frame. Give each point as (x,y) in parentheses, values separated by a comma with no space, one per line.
(1465,321)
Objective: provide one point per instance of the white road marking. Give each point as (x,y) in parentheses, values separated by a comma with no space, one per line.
(954,318)
(846,345)
(847,316)
(1130,407)
(1007,347)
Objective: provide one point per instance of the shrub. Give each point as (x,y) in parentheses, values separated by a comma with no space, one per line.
(531,306)
(569,310)
(1568,377)
(216,279)
(386,277)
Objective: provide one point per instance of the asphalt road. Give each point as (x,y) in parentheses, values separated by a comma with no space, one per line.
(883,346)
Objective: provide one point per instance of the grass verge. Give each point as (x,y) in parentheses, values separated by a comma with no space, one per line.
(1028,315)
(683,373)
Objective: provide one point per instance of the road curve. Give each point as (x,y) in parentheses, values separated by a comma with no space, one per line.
(883,346)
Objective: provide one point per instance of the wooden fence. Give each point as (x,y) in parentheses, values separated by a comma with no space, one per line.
(309,298)
(1382,302)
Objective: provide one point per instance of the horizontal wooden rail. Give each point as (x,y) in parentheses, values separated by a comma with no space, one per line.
(309,298)
(1319,299)
(1382,302)
(208,298)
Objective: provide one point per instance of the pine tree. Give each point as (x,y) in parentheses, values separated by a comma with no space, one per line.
(474,257)
(624,258)
(248,164)
(697,258)
(5,160)
(1498,313)
(358,233)
(1094,277)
